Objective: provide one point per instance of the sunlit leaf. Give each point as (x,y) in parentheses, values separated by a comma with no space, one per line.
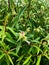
(27,60)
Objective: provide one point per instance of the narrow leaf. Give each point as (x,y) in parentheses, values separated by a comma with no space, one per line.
(10,59)
(38,60)
(2,56)
(27,60)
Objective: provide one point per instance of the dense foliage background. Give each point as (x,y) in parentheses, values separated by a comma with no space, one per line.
(24,32)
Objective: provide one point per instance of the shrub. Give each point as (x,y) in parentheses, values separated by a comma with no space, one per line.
(24,32)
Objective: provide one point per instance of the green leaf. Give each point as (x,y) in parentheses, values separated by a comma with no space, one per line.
(20,58)
(38,49)
(1,27)
(46,56)
(22,11)
(2,56)
(16,19)
(13,32)
(38,60)
(11,41)
(10,59)
(7,60)
(27,60)
(12,53)
(18,47)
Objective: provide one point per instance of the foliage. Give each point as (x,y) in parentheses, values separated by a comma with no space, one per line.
(24,32)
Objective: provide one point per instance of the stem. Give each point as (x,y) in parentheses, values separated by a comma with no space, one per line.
(29,8)
(8,4)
